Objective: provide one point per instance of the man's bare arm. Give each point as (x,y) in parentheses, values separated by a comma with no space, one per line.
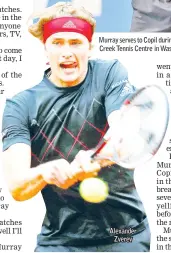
(25,182)
(22,181)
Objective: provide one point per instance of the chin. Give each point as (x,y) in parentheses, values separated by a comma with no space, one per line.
(69,79)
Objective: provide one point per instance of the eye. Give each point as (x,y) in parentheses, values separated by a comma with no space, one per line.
(58,43)
(75,43)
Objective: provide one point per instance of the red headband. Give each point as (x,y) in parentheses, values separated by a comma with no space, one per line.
(67,24)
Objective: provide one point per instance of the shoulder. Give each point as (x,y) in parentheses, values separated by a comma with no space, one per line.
(105,65)
(27,97)
(107,70)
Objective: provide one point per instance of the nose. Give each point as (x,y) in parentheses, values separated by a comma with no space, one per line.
(67,54)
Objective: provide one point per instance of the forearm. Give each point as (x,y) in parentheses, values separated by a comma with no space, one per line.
(27,185)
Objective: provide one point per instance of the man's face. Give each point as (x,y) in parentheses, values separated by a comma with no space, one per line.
(68,54)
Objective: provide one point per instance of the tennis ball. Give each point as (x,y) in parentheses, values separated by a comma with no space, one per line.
(93,190)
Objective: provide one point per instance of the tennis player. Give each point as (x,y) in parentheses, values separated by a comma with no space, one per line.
(151,16)
(58,121)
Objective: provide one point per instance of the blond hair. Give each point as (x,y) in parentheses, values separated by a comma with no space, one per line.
(60,9)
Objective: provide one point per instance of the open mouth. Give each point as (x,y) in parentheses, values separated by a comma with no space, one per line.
(68,65)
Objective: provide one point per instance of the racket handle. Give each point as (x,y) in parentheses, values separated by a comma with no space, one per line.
(99,147)
(105,163)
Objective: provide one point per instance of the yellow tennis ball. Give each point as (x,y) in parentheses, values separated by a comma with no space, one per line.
(93,190)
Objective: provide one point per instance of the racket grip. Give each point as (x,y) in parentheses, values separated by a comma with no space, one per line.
(100,146)
(105,163)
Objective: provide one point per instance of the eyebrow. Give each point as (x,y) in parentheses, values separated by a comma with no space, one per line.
(70,40)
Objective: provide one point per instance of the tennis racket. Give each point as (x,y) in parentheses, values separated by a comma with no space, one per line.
(140,130)
(135,138)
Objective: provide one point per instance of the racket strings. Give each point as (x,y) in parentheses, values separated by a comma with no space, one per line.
(142,127)
(151,103)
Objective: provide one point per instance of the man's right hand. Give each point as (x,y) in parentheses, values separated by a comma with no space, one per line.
(60,173)
(64,174)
